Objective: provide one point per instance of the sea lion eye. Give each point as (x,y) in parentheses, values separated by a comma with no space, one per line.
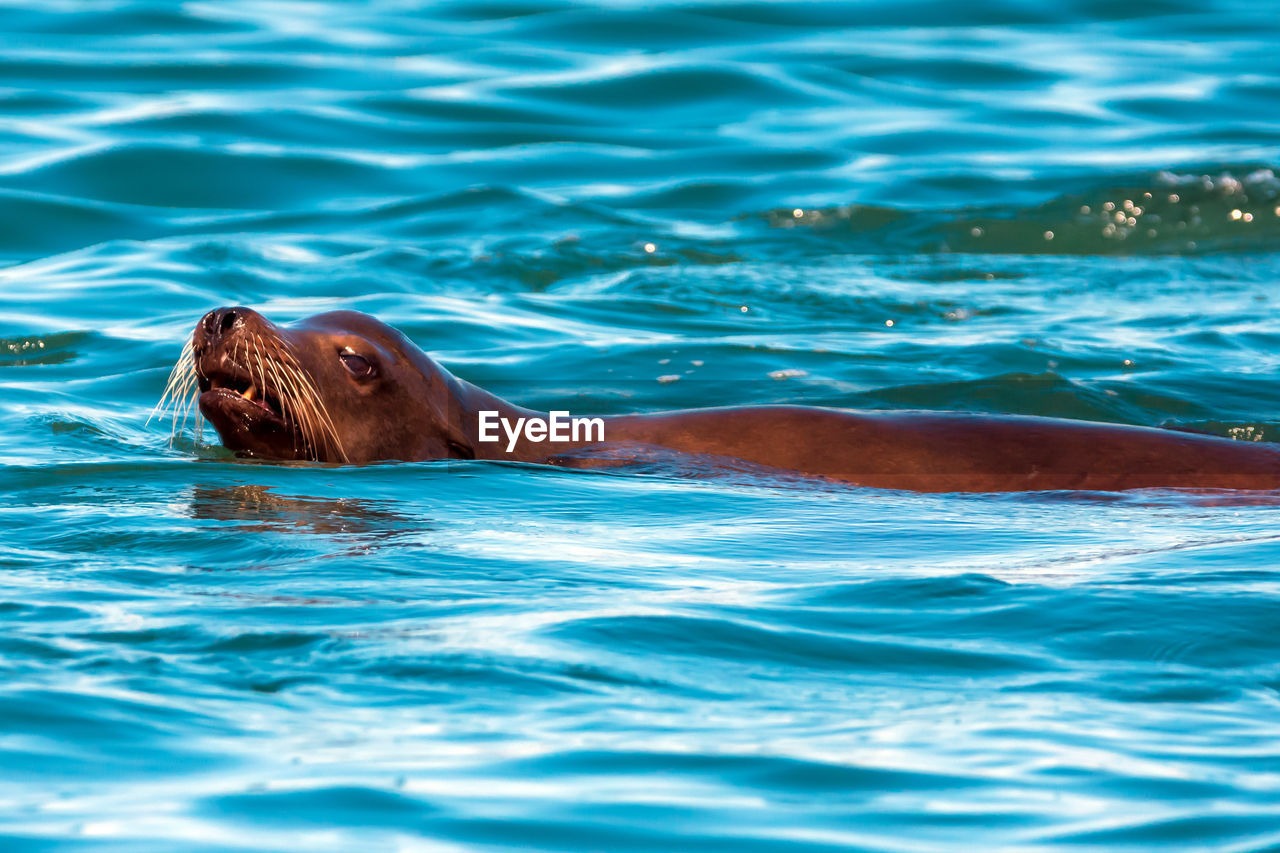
(357,365)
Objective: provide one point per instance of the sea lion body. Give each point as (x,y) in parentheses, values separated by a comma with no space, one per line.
(345,387)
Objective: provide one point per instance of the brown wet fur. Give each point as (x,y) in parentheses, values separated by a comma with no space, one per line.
(411,409)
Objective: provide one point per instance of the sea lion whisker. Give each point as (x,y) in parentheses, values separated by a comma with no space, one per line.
(262,378)
(306,395)
(308,399)
(174,392)
(266,365)
(317,404)
(177,378)
(284,391)
(187,395)
(288,404)
(302,399)
(180,391)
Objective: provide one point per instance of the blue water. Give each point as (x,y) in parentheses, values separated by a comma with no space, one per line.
(1053,209)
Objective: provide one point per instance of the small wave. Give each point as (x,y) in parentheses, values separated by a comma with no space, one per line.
(758,646)
(1231,209)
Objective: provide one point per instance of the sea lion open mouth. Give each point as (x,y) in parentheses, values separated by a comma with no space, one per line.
(245,377)
(227,391)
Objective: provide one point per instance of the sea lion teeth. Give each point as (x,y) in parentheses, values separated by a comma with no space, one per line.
(250,394)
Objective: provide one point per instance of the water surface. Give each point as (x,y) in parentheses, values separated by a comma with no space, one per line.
(1063,210)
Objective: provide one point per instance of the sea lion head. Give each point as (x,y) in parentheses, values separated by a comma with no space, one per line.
(336,387)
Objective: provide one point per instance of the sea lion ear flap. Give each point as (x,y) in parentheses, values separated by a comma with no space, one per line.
(460,450)
(457,444)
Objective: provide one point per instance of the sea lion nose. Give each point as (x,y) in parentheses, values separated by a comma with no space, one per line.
(220,321)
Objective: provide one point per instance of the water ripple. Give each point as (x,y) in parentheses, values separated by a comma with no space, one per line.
(1065,210)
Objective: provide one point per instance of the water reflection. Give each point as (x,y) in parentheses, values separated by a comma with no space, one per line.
(261,509)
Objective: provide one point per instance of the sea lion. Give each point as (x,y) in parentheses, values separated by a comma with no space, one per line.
(345,387)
